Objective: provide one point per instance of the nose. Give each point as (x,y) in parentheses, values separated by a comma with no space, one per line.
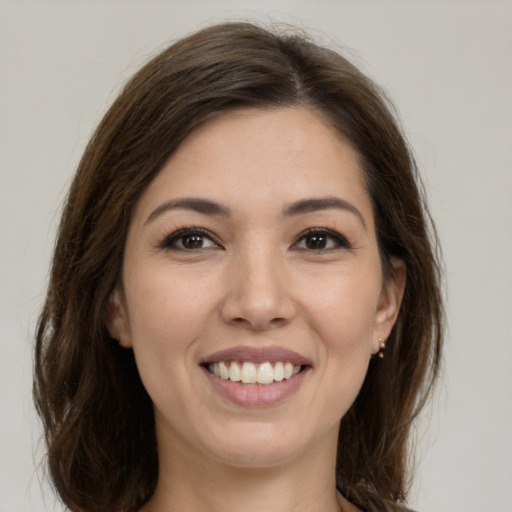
(258,294)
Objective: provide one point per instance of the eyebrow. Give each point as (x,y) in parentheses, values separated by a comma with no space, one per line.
(207,207)
(195,204)
(323,203)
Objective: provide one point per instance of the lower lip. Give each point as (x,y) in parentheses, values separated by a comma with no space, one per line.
(256,395)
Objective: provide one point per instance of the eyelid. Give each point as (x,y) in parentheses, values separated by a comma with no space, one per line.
(169,239)
(168,242)
(341,241)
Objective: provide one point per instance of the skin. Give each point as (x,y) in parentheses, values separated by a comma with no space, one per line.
(254,279)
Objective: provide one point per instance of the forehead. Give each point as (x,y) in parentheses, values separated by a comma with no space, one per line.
(262,157)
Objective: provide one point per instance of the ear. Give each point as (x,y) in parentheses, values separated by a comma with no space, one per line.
(389,303)
(117,318)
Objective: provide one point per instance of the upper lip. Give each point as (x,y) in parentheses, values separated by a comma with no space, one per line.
(257,355)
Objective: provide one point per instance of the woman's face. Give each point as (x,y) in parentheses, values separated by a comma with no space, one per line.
(253,255)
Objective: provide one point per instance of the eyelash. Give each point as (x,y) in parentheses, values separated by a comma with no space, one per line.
(340,242)
(170,241)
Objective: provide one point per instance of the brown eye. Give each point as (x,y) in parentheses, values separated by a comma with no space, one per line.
(192,241)
(316,242)
(321,240)
(189,240)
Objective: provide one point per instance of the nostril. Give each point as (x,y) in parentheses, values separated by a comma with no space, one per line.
(241,322)
(259,324)
(257,311)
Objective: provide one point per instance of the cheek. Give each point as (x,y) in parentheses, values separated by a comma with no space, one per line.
(167,313)
(342,314)
(169,291)
(344,310)
(166,318)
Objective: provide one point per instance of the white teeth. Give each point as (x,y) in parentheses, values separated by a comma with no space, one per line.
(234,372)
(265,373)
(224,371)
(279,371)
(249,373)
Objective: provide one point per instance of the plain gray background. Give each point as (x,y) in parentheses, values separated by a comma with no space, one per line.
(448,66)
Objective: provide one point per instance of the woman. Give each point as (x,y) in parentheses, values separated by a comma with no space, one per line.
(244,306)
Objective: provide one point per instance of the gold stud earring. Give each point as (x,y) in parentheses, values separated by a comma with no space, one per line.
(382,346)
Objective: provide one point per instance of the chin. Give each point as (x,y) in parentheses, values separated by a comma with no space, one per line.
(263,446)
(255,455)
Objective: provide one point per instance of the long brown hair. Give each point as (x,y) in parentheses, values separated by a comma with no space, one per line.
(98,418)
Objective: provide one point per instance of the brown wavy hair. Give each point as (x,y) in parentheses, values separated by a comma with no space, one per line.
(97,416)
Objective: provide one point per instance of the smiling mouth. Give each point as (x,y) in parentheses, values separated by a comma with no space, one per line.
(249,373)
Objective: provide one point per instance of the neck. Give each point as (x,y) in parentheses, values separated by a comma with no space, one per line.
(187,483)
